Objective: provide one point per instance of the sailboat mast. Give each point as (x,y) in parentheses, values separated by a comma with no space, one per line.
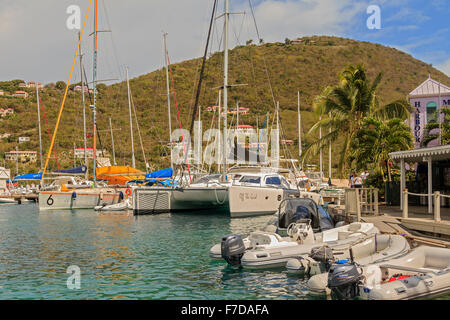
(299,127)
(320,159)
(329,156)
(39,126)
(94,108)
(84,107)
(168,95)
(225,88)
(133,160)
(112,141)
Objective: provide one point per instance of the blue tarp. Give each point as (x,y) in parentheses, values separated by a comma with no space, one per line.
(164,173)
(30,176)
(77,170)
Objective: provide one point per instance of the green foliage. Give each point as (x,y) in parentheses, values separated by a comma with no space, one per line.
(307,67)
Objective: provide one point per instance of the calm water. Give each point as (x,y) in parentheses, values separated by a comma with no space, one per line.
(126,257)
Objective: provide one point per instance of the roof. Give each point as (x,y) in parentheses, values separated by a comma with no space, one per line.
(244,126)
(418,155)
(429,88)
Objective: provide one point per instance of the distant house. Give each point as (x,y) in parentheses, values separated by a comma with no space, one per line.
(33,84)
(79,153)
(288,142)
(21,94)
(79,89)
(212,108)
(242,110)
(22,156)
(23,85)
(244,127)
(24,139)
(6,112)
(5,135)
(1,92)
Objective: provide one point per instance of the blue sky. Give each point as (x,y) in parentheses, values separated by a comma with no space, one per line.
(36,44)
(420,28)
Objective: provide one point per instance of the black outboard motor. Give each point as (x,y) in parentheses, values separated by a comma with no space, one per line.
(323,255)
(343,280)
(232,248)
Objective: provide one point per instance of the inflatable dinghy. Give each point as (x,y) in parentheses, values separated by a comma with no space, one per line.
(423,272)
(121,206)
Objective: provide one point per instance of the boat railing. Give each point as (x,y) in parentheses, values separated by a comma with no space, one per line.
(436,196)
(359,201)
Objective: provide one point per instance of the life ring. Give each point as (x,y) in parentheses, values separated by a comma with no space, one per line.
(128,192)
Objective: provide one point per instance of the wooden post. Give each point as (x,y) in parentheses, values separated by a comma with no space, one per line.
(358,206)
(437,206)
(405,203)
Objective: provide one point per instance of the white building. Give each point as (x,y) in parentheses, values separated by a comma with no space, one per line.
(79,153)
(24,139)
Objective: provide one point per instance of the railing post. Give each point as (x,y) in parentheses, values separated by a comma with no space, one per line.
(376,201)
(358,206)
(405,203)
(437,206)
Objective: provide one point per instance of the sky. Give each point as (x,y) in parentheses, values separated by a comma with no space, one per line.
(36,44)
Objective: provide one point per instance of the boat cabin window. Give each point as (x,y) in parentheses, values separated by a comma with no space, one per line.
(250,179)
(273,180)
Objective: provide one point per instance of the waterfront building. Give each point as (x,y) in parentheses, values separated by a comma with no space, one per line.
(427,100)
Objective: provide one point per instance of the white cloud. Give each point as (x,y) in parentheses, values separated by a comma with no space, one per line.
(36,45)
(445,67)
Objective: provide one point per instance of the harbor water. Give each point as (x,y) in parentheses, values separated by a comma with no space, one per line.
(121,256)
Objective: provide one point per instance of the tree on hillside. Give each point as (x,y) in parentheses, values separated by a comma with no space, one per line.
(60,85)
(372,144)
(344,106)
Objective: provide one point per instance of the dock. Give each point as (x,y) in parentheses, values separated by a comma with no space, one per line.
(20,198)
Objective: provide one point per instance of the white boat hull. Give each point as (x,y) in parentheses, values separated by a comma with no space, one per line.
(55,200)
(7,200)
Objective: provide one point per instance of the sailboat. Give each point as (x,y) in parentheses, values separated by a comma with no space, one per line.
(68,192)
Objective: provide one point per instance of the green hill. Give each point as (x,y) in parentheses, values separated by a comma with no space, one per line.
(307,66)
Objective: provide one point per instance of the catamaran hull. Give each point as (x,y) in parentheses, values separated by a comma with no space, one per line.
(160,200)
(76,200)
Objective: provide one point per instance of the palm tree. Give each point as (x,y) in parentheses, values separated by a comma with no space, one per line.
(343,107)
(372,144)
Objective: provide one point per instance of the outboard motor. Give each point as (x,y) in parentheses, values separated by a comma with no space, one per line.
(232,248)
(343,280)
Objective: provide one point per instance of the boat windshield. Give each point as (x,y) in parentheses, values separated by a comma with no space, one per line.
(209,178)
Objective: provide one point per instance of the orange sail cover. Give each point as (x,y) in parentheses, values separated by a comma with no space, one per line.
(119,174)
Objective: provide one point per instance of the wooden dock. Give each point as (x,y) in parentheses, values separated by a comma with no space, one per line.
(20,198)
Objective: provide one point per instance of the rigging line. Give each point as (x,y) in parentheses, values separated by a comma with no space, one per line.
(262,54)
(115,51)
(48,131)
(65,95)
(178,113)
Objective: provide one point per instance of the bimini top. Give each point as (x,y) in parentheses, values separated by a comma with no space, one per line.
(418,155)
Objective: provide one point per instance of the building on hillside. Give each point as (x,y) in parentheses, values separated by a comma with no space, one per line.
(288,142)
(33,84)
(427,99)
(6,112)
(24,139)
(212,108)
(79,153)
(21,94)
(5,175)
(23,85)
(244,127)
(1,92)
(79,89)
(242,110)
(21,156)
(5,135)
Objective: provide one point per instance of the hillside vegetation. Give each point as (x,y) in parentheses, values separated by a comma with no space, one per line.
(306,67)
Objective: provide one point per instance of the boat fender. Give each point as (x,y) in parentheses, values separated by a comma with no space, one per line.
(121,195)
(74,195)
(128,192)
